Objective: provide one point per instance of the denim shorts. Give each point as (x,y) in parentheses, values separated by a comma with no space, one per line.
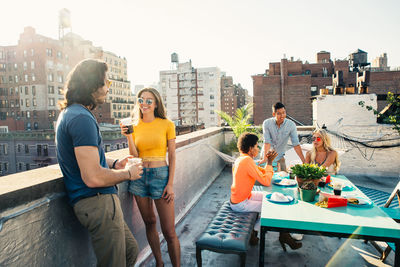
(151,184)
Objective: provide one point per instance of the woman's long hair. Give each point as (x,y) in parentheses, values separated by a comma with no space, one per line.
(326,143)
(159,111)
(83,80)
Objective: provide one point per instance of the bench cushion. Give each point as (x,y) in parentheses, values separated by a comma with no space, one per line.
(228,230)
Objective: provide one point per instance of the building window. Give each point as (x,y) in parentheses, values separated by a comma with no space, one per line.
(26,149)
(25,66)
(15,66)
(16,78)
(33,90)
(26,90)
(32,65)
(60,90)
(20,166)
(27,104)
(59,54)
(107,148)
(4,149)
(211,96)
(19,148)
(26,77)
(211,112)
(50,77)
(51,89)
(32,52)
(49,52)
(5,166)
(33,77)
(45,150)
(34,103)
(39,150)
(51,102)
(60,79)
(27,166)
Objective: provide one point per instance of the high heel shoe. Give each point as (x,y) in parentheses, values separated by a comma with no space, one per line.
(285,238)
(254,239)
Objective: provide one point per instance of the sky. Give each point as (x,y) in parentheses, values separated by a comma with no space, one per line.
(240,37)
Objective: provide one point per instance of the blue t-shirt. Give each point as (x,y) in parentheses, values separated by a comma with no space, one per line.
(76,126)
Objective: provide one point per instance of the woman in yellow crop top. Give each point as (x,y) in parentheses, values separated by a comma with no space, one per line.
(152,136)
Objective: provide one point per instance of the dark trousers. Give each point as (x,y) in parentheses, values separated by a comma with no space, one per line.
(113,242)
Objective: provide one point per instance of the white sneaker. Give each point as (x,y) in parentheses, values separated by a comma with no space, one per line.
(297,237)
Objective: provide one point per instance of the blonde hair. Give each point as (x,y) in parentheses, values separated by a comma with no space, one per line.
(326,143)
(159,111)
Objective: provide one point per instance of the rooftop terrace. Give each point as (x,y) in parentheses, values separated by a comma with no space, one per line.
(38,228)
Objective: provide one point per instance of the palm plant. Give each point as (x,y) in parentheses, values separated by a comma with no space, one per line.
(240,121)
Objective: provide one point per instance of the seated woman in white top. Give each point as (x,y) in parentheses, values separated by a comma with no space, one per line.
(322,152)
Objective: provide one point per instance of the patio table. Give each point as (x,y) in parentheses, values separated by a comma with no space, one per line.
(369,223)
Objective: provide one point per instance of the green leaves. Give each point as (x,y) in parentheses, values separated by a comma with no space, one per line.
(308,171)
(239,122)
(394,118)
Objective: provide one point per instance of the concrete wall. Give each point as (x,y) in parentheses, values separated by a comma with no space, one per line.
(38,228)
(343,116)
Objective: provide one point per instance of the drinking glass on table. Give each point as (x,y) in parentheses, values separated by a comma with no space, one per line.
(337,188)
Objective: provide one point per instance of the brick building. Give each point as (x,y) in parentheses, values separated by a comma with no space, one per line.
(232,96)
(32,77)
(294,83)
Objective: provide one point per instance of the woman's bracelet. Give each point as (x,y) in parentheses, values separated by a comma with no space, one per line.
(113,165)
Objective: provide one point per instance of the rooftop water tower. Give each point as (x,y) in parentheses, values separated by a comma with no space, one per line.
(174,61)
(64,22)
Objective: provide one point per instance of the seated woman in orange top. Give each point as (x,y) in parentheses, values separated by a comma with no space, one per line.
(245,173)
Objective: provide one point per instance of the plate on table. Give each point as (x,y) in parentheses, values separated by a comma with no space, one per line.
(344,188)
(358,202)
(288,200)
(282,174)
(284,182)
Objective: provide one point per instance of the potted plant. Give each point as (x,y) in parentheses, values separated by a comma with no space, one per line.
(308,172)
(308,190)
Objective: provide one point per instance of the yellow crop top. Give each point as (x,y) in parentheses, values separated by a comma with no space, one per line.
(151,138)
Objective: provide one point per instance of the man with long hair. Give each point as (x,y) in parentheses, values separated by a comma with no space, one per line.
(90,178)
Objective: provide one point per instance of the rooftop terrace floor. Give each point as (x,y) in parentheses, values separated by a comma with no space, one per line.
(316,250)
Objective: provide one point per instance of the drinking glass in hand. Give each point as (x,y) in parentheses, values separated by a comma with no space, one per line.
(128,122)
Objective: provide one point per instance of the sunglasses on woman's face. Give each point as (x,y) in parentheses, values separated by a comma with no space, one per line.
(318,139)
(148,101)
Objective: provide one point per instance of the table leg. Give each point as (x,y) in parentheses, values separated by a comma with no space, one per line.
(262,247)
(397,254)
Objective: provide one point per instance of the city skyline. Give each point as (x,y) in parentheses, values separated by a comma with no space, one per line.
(239,38)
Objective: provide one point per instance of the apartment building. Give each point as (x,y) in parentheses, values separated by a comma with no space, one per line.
(33,73)
(294,83)
(233,96)
(192,95)
(32,76)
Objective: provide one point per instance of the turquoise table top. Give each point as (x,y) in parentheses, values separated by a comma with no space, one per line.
(367,220)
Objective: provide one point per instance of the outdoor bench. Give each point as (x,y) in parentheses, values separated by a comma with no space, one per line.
(228,232)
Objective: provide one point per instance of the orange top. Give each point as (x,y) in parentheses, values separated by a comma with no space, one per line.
(245,173)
